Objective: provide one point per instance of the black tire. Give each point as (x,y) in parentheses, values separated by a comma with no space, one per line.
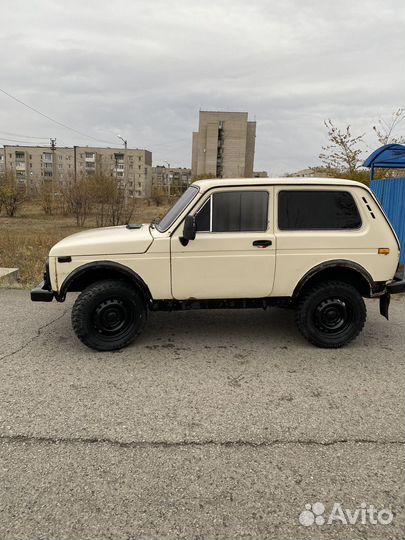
(108,315)
(331,314)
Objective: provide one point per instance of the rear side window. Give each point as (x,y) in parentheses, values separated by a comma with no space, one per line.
(317,210)
(234,211)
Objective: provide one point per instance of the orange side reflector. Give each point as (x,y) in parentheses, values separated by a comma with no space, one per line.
(383,251)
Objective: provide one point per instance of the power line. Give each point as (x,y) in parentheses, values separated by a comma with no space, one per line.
(24,136)
(52,119)
(22,142)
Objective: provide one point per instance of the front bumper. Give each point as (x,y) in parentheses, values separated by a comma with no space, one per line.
(396,286)
(42,293)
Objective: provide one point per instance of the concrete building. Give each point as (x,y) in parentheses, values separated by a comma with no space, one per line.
(314,172)
(33,164)
(171,179)
(224,145)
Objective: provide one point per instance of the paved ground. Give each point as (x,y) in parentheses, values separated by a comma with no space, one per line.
(214,425)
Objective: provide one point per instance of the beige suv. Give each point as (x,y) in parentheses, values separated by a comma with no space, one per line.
(317,245)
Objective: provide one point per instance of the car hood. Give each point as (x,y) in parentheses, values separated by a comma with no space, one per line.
(105,241)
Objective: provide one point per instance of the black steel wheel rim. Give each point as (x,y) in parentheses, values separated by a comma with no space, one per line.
(113,317)
(333,315)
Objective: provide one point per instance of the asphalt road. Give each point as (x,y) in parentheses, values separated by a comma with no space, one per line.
(215,424)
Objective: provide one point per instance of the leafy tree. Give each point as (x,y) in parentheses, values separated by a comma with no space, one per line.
(343,152)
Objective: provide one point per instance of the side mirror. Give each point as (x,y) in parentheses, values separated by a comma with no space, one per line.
(189,230)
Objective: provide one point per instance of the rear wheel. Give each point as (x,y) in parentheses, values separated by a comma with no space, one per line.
(108,315)
(331,314)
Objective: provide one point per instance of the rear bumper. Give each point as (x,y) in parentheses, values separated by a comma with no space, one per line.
(396,286)
(41,293)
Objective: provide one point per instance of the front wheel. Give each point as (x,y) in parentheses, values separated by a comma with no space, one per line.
(108,315)
(331,314)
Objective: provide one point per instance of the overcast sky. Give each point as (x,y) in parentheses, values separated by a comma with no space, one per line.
(144,68)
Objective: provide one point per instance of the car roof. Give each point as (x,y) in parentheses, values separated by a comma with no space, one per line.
(204,185)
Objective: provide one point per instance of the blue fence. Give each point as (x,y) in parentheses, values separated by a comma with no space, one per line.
(391,194)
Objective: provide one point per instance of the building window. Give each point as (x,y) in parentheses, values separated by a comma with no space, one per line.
(48,173)
(60,158)
(317,210)
(60,166)
(47,156)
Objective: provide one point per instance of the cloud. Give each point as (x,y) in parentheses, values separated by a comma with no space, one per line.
(143,69)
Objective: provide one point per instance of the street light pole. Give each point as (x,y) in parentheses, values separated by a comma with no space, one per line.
(168,180)
(125,161)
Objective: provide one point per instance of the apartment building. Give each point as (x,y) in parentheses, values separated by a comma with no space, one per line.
(33,164)
(171,179)
(224,145)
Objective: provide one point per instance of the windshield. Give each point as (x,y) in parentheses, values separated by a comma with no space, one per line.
(177,209)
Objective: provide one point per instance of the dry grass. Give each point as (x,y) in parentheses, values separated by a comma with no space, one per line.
(25,240)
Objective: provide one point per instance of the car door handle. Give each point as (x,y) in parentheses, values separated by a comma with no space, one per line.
(262,243)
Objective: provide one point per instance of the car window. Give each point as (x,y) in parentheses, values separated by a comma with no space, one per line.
(234,211)
(317,210)
(177,209)
(203,217)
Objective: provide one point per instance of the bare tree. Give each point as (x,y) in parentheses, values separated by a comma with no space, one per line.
(77,195)
(385,128)
(46,197)
(111,201)
(342,153)
(158,195)
(12,194)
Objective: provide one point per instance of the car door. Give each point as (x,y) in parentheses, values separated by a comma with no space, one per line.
(233,253)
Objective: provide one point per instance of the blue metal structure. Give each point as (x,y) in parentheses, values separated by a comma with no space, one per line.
(391,194)
(389,156)
(390,191)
